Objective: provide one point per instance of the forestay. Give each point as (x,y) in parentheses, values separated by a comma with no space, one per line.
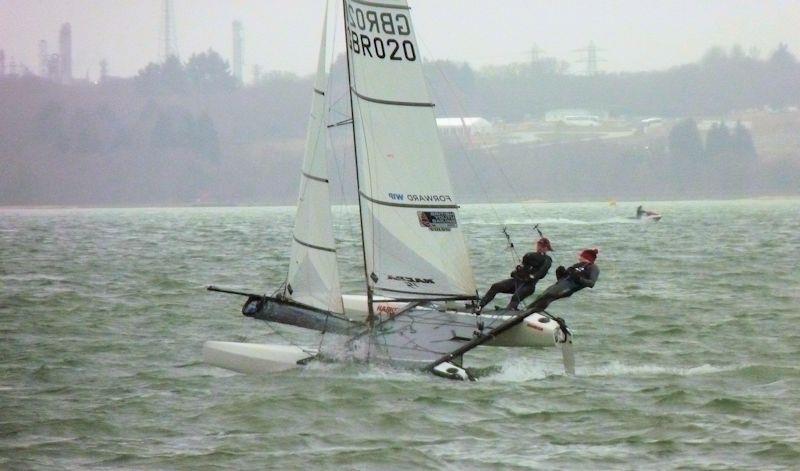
(414,247)
(313,275)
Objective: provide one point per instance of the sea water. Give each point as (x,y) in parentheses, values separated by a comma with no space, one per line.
(688,348)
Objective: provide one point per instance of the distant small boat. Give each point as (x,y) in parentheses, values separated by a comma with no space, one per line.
(644,215)
(651,216)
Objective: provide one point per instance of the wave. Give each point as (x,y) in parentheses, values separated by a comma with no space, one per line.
(365,372)
(620,369)
(520,370)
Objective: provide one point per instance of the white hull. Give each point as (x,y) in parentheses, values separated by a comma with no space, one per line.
(534,331)
(253,358)
(650,216)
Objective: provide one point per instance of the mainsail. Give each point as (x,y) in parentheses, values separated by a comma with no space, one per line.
(313,275)
(414,247)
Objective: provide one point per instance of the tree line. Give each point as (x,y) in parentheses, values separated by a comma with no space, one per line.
(126,140)
(720,82)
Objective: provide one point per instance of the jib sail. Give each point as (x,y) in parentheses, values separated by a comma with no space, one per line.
(313,275)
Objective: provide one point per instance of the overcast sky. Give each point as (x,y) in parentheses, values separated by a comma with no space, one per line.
(284,34)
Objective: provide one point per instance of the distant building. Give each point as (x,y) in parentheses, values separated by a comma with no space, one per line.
(646,124)
(65,52)
(651,121)
(576,117)
(463,126)
(581,120)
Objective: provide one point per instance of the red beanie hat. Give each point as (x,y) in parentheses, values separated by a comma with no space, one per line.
(589,254)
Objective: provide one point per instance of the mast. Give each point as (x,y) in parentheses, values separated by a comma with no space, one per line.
(370,312)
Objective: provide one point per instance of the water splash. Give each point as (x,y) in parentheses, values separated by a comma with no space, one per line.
(621,369)
(519,370)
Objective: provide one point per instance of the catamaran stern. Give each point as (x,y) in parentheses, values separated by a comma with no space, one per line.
(535,331)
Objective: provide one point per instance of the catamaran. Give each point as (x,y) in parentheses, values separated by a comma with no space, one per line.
(419,306)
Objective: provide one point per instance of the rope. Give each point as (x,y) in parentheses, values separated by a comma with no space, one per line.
(492,155)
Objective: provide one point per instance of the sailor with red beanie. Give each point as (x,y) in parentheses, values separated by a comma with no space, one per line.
(583,274)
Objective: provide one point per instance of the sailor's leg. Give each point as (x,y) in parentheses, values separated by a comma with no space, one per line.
(504,286)
(523,291)
(560,289)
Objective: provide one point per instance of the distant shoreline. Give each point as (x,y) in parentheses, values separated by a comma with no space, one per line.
(610,202)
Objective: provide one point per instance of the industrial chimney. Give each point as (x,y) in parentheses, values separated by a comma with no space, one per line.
(65,52)
(238,52)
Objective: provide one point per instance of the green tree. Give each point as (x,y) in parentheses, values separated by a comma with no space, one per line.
(718,140)
(208,71)
(169,76)
(685,141)
(206,138)
(687,155)
(743,143)
(51,125)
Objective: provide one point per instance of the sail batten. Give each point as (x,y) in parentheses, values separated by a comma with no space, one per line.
(391,102)
(409,205)
(413,242)
(315,178)
(312,246)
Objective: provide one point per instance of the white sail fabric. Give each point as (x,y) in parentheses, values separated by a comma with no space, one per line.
(414,246)
(313,275)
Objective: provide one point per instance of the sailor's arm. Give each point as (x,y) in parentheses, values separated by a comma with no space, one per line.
(524,271)
(543,269)
(588,277)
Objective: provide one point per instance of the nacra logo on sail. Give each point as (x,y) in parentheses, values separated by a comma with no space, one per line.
(411,281)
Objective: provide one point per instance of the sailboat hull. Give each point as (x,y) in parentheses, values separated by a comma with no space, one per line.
(254,358)
(397,339)
(298,315)
(535,331)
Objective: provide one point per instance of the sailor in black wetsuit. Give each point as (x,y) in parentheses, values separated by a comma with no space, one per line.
(583,274)
(522,283)
(640,212)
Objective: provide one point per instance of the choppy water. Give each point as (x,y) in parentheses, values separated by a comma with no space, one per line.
(688,349)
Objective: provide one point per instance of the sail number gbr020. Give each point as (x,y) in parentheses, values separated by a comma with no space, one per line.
(364,26)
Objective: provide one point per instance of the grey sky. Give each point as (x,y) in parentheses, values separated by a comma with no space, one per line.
(284,34)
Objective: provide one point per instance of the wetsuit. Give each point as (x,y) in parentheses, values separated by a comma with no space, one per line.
(640,212)
(570,281)
(523,279)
